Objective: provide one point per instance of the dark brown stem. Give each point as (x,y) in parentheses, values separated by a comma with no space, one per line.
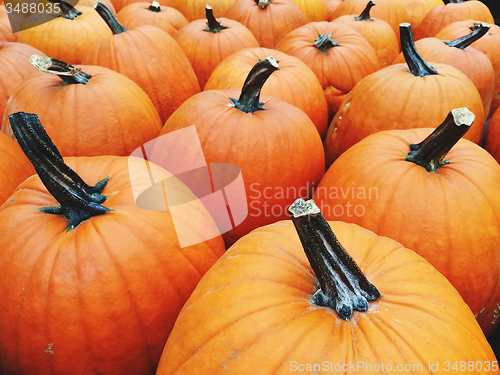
(110,19)
(68,73)
(342,285)
(468,39)
(262,3)
(365,16)
(325,42)
(77,200)
(250,93)
(213,26)
(154,7)
(418,66)
(455,1)
(67,10)
(431,152)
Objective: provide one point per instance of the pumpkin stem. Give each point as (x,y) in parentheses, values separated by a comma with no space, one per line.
(67,10)
(250,93)
(213,25)
(365,16)
(455,1)
(262,3)
(68,73)
(431,152)
(468,39)
(418,66)
(154,7)
(110,19)
(325,42)
(77,200)
(342,285)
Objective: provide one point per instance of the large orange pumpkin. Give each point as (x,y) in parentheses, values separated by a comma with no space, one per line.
(269,306)
(206,42)
(275,145)
(460,54)
(69,37)
(268,20)
(151,58)
(295,82)
(442,203)
(402,96)
(87,111)
(338,55)
(90,283)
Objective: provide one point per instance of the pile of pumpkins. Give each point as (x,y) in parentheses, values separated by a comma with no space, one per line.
(367,138)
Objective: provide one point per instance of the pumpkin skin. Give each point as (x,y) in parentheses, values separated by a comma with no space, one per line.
(148,55)
(57,37)
(492,136)
(313,10)
(391,11)
(269,24)
(103,296)
(137,14)
(451,215)
(195,9)
(15,167)
(257,299)
(489,44)
(377,32)
(15,68)
(90,3)
(126,120)
(295,82)
(331,6)
(120,4)
(270,155)
(6,33)
(206,49)
(339,64)
(443,15)
(418,9)
(473,63)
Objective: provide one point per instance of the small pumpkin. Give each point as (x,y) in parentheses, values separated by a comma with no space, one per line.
(338,55)
(268,20)
(207,42)
(460,54)
(436,194)
(455,10)
(195,9)
(275,145)
(281,299)
(313,10)
(87,111)
(120,4)
(69,36)
(90,283)
(387,99)
(377,32)
(142,13)
(147,55)
(295,82)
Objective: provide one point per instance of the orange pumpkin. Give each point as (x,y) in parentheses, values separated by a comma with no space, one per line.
(313,10)
(67,38)
(491,141)
(15,167)
(460,54)
(338,55)
(376,31)
(455,10)
(417,9)
(195,9)
(87,111)
(90,283)
(387,99)
(275,145)
(268,20)
(269,306)
(442,203)
(207,42)
(6,33)
(331,6)
(139,14)
(489,44)
(149,57)
(120,4)
(295,82)
(90,3)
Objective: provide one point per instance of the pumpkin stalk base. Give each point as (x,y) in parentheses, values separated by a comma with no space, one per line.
(342,285)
